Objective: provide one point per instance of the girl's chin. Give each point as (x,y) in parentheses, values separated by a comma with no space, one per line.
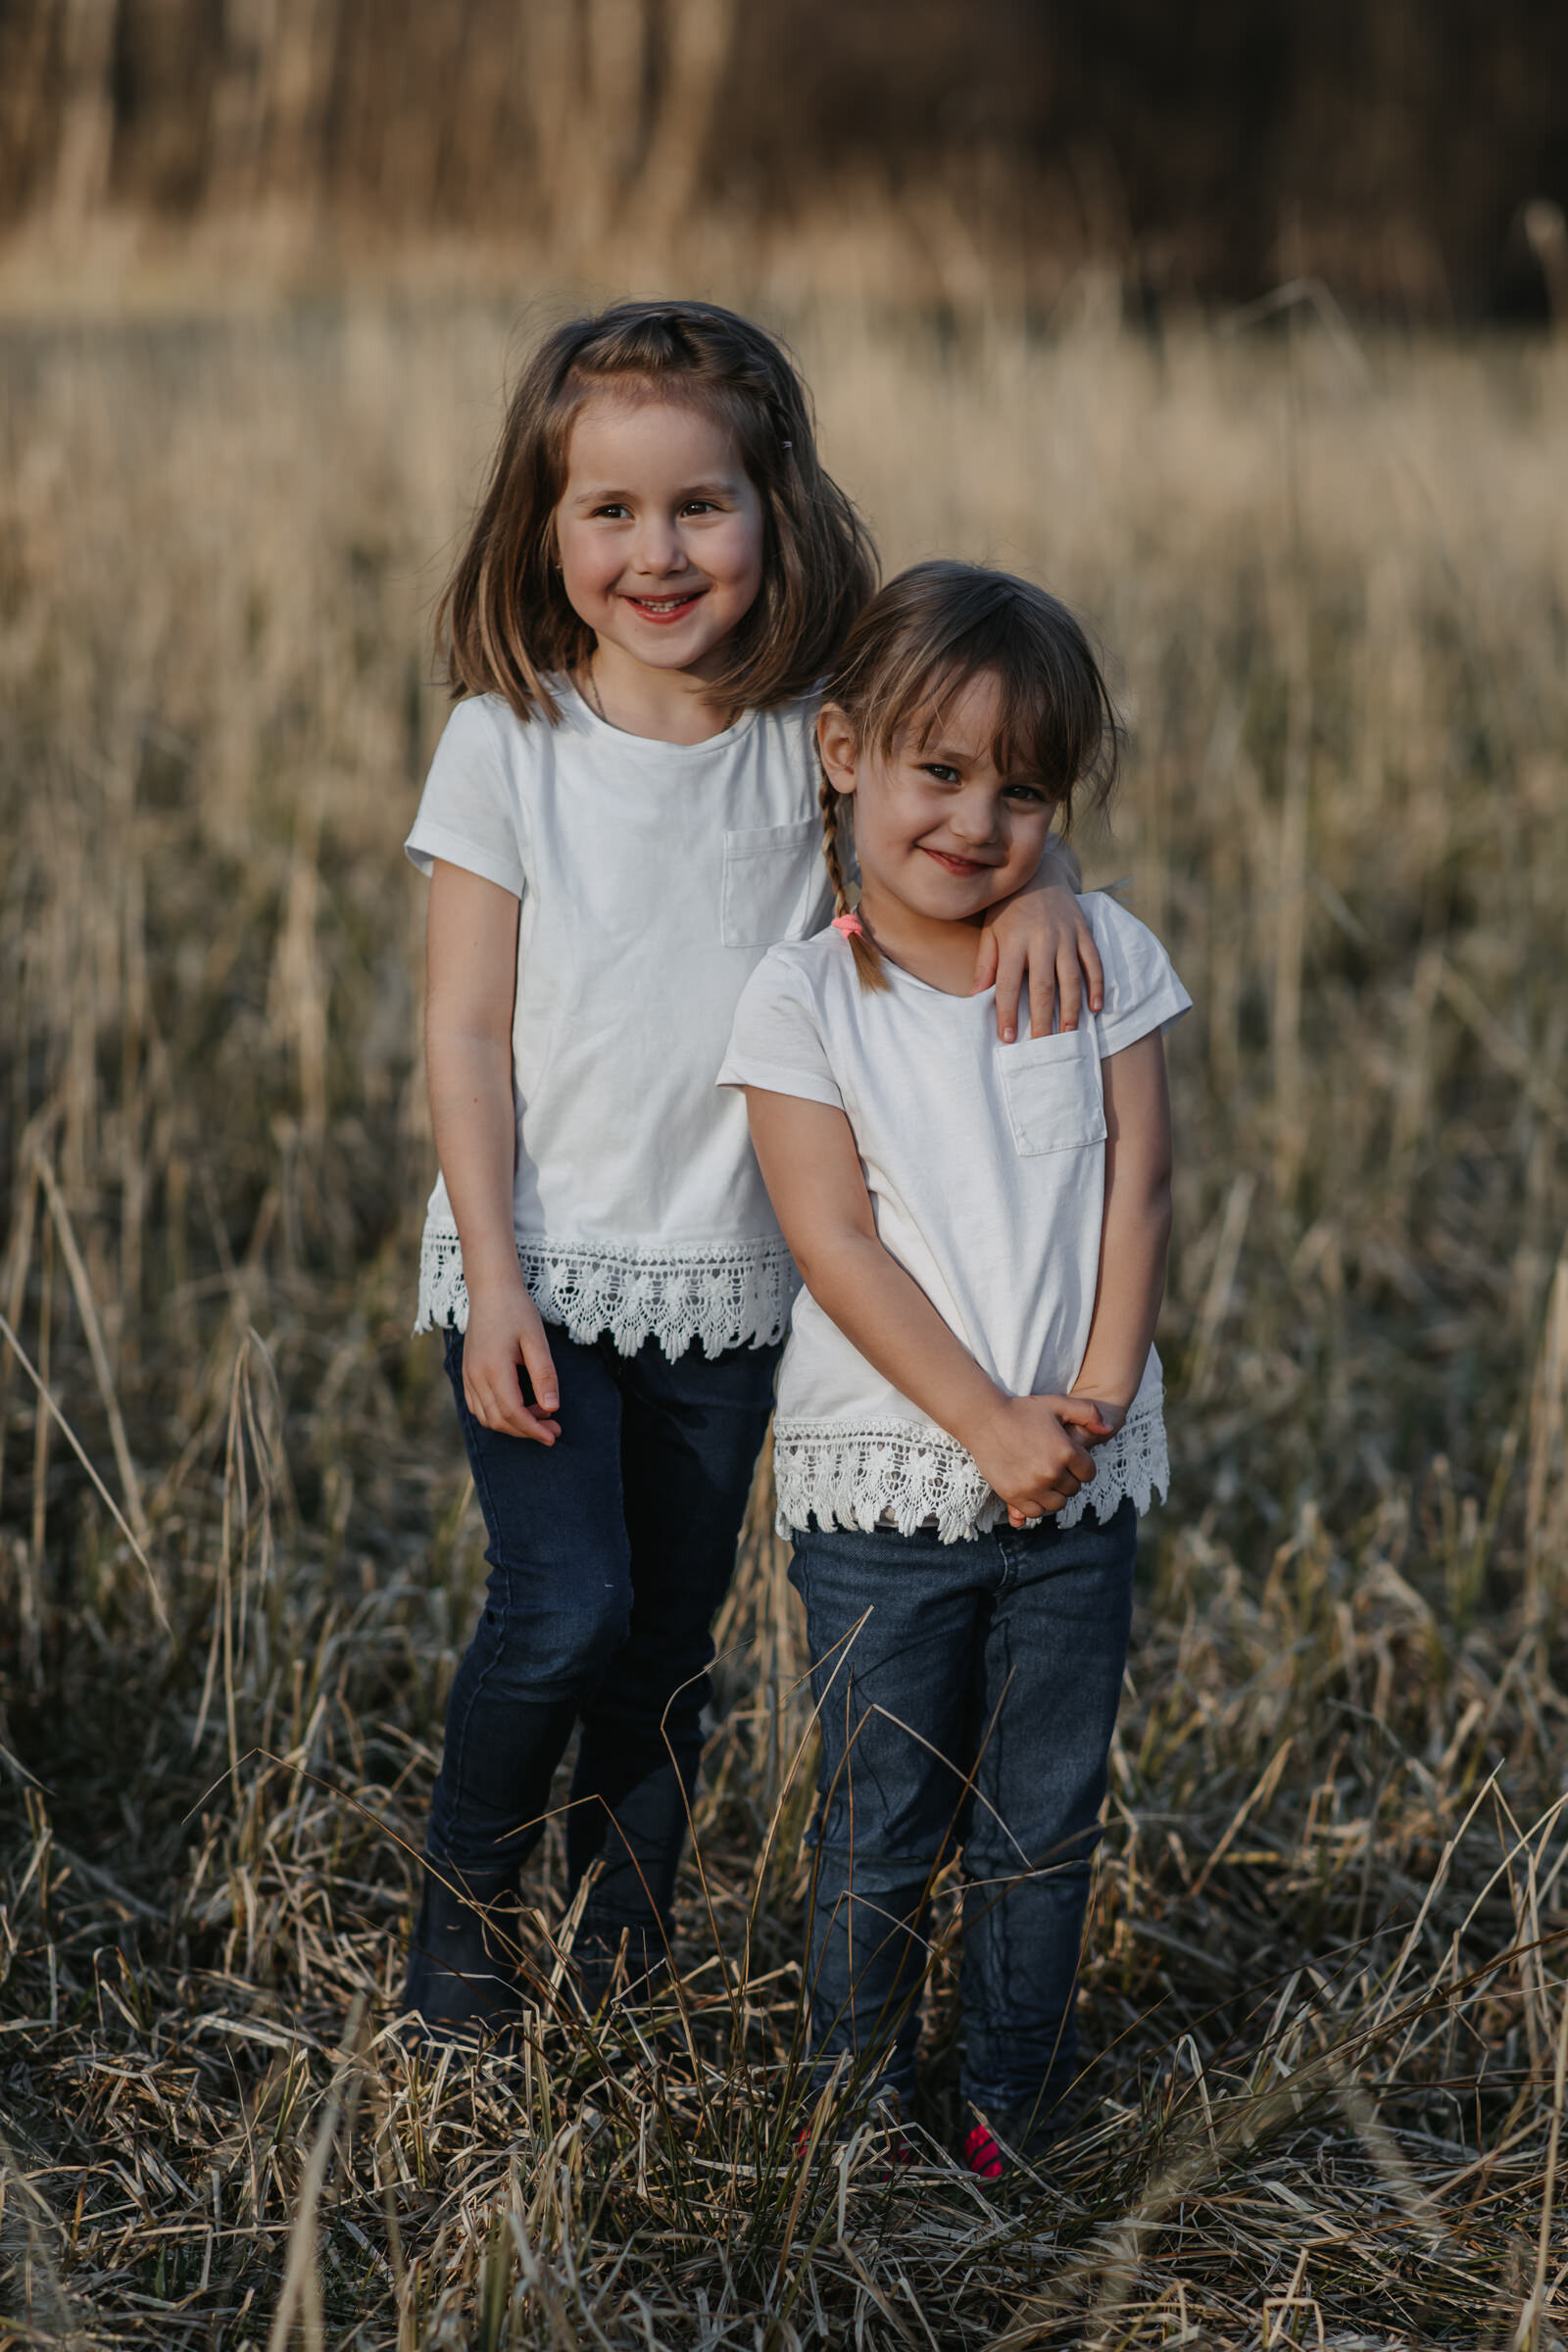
(928,905)
(952,896)
(659,649)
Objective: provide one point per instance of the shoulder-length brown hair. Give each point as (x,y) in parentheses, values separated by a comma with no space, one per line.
(921,641)
(504,623)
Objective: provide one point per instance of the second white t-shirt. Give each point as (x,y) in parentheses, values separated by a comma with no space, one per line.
(984,1164)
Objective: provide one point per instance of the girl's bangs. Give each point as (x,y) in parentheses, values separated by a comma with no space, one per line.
(1030,738)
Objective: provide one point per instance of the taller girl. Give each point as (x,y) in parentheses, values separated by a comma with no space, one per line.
(618,824)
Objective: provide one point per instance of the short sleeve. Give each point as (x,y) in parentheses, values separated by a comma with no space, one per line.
(1142,990)
(469,812)
(775,1041)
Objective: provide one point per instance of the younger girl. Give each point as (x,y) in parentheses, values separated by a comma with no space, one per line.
(969,1410)
(616,826)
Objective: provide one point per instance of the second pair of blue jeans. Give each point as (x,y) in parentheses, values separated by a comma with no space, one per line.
(967,1694)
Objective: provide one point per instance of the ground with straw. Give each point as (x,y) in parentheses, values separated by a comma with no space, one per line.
(1325,1988)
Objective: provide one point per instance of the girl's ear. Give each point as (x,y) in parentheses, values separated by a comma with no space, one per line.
(835,743)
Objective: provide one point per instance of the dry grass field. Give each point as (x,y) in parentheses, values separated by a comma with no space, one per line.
(1327,1989)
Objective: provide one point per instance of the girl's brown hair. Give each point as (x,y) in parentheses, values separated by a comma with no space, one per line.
(503,619)
(919,642)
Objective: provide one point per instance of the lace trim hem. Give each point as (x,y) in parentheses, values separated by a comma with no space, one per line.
(848,1476)
(727,1294)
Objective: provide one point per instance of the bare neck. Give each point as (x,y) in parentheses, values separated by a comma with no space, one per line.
(670,706)
(941,954)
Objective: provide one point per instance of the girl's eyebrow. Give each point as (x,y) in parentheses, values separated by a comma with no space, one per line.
(721,487)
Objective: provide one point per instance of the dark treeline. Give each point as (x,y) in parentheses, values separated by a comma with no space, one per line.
(1207,148)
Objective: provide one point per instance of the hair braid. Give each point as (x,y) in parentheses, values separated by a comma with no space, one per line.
(868,958)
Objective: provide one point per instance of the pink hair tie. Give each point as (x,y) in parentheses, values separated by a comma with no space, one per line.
(850,924)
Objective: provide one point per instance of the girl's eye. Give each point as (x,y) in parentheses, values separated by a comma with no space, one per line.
(943,774)
(612,509)
(701,506)
(1026,792)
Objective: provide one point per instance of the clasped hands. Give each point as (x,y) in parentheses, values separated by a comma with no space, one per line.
(1034,1451)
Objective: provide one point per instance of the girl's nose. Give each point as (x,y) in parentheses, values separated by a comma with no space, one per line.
(657,549)
(974,819)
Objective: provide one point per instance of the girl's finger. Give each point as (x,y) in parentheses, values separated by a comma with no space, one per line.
(498,1405)
(521,1417)
(1080,1412)
(1094,969)
(514,1420)
(1010,986)
(1069,990)
(539,1364)
(985,963)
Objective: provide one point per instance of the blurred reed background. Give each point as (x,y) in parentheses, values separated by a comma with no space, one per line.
(907,148)
(255,312)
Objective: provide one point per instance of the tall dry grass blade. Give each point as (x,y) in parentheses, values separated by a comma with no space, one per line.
(87,1309)
(299,2303)
(297,992)
(1290,905)
(1527,2335)
(1547,1482)
(42,1431)
(87,128)
(80,1450)
(699,39)
(18,1267)
(1505,1050)
(1257,1796)
(1221,1290)
(30,2242)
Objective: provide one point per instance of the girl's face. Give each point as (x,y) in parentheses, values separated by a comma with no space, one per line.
(660,530)
(940,830)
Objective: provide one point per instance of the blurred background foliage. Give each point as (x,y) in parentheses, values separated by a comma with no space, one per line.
(1206,149)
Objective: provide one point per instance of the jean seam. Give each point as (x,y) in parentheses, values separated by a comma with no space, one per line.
(1007,1553)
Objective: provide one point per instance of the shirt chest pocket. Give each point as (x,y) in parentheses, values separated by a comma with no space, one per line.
(774,879)
(1053,1091)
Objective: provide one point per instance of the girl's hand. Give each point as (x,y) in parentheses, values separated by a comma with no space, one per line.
(1029,1454)
(504,1329)
(1112,1414)
(1044,932)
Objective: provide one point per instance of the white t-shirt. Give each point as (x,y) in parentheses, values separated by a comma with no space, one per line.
(653,877)
(984,1164)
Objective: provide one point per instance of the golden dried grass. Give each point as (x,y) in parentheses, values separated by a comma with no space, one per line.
(1326,1977)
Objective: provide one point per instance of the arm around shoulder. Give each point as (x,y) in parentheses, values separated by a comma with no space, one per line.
(1043,936)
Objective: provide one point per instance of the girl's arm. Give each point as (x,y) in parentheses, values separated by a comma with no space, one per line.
(1135,1231)
(1044,931)
(470,982)
(1023,1445)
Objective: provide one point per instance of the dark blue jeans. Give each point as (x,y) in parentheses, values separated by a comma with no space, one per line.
(971,1710)
(608,1553)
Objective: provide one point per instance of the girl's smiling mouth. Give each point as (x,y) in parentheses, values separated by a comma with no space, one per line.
(956,866)
(663,607)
